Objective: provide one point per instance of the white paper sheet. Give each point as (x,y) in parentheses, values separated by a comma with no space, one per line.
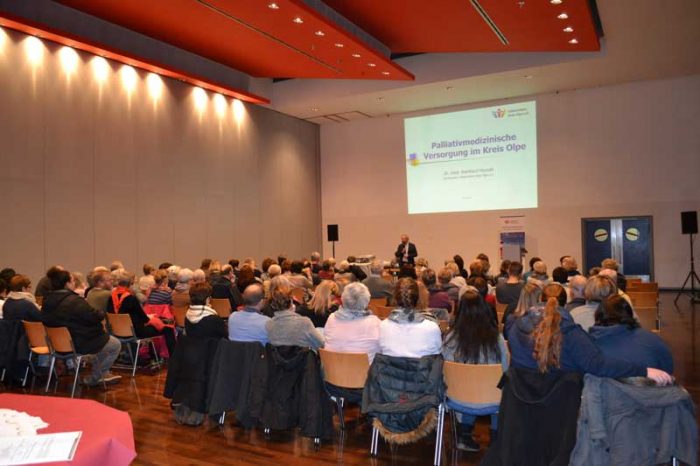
(38,448)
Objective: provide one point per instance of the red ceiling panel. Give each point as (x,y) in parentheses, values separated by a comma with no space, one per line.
(457,25)
(250,36)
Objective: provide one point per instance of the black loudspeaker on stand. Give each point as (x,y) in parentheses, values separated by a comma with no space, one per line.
(689,226)
(333,235)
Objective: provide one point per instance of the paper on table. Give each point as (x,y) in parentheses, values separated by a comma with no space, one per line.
(38,448)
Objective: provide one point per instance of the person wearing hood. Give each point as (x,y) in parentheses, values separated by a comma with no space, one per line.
(617,334)
(201,321)
(20,303)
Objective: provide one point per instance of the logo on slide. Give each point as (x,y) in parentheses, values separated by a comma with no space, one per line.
(413,159)
(499,113)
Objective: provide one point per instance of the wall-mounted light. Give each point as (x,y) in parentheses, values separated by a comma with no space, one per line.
(238,110)
(129,78)
(200,98)
(34,49)
(100,68)
(155,86)
(220,105)
(69,60)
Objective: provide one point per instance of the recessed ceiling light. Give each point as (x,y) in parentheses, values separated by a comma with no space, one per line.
(298,20)
(555,2)
(568,29)
(527,76)
(339,45)
(314,109)
(273,6)
(380,99)
(573,41)
(320,33)
(386,73)
(356,55)
(449,88)
(563,16)
(371,65)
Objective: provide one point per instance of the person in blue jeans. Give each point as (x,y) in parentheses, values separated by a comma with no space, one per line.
(475,339)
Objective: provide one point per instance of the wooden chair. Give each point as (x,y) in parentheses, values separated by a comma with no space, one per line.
(222,306)
(299,295)
(374,303)
(179,314)
(632,281)
(39,300)
(61,346)
(383,311)
(500,311)
(644,287)
(468,384)
(643,298)
(344,370)
(36,339)
(122,328)
(648,318)
(444,326)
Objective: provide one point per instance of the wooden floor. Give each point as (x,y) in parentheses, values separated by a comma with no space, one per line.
(159,440)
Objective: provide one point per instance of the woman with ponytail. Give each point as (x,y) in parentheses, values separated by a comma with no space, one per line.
(546,338)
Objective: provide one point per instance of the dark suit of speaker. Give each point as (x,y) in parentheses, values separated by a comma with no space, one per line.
(401,252)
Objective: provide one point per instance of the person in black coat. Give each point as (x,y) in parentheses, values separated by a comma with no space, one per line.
(201,321)
(406,252)
(223,288)
(65,308)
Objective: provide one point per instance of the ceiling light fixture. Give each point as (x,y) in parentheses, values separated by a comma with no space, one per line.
(380,99)
(356,55)
(568,29)
(298,20)
(527,76)
(449,88)
(573,41)
(320,33)
(386,73)
(371,65)
(555,2)
(273,6)
(339,45)
(563,16)
(314,109)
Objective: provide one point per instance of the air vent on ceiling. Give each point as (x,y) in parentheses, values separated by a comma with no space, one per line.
(339,117)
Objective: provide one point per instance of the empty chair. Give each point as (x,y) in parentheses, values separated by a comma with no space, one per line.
(639,286)
(348,372)
(61,346)
(648,318)
(222,306)
(644,298)
(36,339)
(123,329)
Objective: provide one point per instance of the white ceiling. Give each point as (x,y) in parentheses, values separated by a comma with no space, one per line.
(644,39)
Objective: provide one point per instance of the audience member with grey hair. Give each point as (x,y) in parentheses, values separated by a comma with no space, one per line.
(612,264)
(378,286)
(173,272)
(143,288)
(577,297)
(613,276)
(181,292)
(315,262)
(116,265)
(597,289)
(100,289)
(249,323)
(199,276)
(352,328)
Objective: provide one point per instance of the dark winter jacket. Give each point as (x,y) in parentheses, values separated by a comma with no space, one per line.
(537,418)
(295,394)
(238,380)
(188,372)
(632,423)
(63,308)
(13,342)
(636,346)
(402,392)
(208,327)
(222,288)
(20,309)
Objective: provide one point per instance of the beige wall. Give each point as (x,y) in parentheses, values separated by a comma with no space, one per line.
(632,149)
(90,174)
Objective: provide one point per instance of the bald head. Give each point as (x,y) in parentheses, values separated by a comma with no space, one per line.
(253,295)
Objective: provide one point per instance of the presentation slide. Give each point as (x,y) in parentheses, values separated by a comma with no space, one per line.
(480,159)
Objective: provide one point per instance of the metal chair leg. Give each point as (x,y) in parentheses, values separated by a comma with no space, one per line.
(374,447)
(2,377)
(222,418)
(340,402)
(453,417)
(75,378)
(136,357)
(155,352)
(438,435)
(48,380)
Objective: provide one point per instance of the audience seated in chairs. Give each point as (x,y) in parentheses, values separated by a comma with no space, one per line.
(181,295)
(161,294)
(529,297)
(246,276)
(322,305)
(248,324)
(64,308)
(549,354)
(474,340)
(437,297)
(618,334)
(377,285)
(287,328)
(444,278)
(223,287)
(100,292)
(508,290)
(597,289)
(201,321)
(577,292)
(124,302)
(21,303)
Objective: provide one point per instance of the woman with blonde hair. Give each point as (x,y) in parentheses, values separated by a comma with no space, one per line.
(287,328)
(323,304)
(529,297)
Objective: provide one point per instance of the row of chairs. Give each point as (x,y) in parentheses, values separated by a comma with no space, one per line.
(466,384)
(56,342)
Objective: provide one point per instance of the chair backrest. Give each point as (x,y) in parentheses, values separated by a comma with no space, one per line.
(631,281)
(59,339)
(299,294)
(647,317)
(473,383)
(444,325)
(347,370)
(500,310)
(36,335)
(121,325)
(644,298)
(222,306)
(376,302)
(383,311)
(639,286)
(179,313)
(39,300)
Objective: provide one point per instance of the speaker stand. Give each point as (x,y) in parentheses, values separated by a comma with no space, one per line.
(334,253)
(692,277)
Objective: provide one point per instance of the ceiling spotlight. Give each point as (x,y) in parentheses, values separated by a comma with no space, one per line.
(568,29)
(356,55)
(449,88)
(386,73)
(371,65)
(563,16)
(314,109)
(298,20)
(573,41)
(320,33)
(380,99)
(273,6)
(339,45)
(555,2)
(527,76)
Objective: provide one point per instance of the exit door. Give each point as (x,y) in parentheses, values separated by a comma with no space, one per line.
(629,240)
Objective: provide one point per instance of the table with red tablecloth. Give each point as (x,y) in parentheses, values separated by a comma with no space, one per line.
(108,436)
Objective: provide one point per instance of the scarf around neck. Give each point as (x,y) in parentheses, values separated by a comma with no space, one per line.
(404,316)
(199,312)
(23,295)
(350,314)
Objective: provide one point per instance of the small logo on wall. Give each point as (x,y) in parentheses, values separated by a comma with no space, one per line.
(601,234)
(413,159)
(632,234)
(499,113)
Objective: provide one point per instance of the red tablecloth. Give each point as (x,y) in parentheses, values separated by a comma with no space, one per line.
(108,436)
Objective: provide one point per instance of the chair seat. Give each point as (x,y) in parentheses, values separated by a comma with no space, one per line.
(40,350)
(473,409)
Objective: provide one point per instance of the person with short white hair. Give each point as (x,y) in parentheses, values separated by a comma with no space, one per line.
(353,328)
(181,292)
(377,285)
(173,272)
(199,276)
(612,275)
(577,288)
